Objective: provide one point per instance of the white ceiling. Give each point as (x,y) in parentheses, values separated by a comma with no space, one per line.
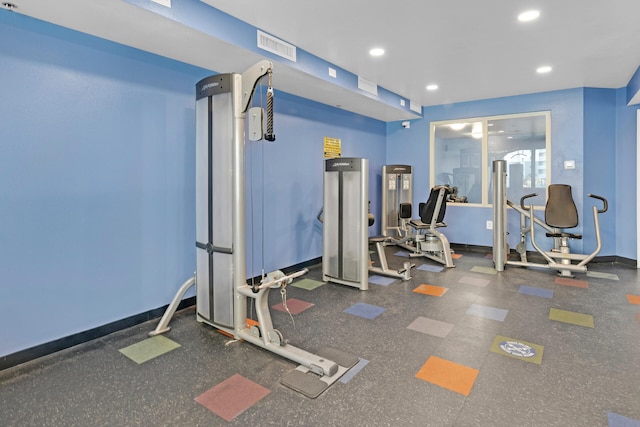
(472,49)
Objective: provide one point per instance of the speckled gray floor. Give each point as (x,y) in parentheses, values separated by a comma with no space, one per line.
(586,374)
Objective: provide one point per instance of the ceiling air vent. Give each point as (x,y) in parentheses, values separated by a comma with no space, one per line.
(276,46)
(367,86)
(165,3)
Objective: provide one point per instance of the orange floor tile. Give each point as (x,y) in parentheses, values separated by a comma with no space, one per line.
(436,291)
(633,299)
(449,375)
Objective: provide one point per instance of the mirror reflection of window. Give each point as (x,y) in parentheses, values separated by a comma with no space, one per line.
(459,159)
(522,143)
(521,140)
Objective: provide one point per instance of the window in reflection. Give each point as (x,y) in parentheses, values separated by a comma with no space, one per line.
(463,152)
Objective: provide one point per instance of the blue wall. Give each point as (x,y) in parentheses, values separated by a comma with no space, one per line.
(592,126)
(95,206)
(467,224)
(599,165)
(625,170)
(293,169)
(97,170)
(97,158)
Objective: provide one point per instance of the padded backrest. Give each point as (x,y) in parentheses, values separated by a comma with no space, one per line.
(370,216)
(427,209)
(560,211)
(405,211)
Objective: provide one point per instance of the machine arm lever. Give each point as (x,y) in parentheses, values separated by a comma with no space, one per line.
(250,79)
(606,204)
(526,197)
(277,278)
(288,278)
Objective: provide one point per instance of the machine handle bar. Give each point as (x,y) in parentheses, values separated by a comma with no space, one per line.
(604,201)
(286,278)
(606,204)
(526,197)
(270,136)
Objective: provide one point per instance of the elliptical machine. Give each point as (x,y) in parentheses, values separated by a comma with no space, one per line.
(560,215)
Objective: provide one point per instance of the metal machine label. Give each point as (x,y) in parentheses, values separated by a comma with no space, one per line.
(213,85)
(342,164)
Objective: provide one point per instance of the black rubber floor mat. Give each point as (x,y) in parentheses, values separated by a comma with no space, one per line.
(307,384)
(340,357)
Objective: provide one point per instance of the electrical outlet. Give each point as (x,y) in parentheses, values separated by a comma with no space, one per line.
(489,225)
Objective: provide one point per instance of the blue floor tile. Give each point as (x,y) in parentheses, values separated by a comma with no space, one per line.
(617,420)
(353,371)
(537,292)
(367,311)
(380,280)
(432,268)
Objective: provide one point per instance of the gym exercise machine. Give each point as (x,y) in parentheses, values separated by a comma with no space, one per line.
(380,242)
(419,236)
(346,218)
(425,239)
(397,194)
(345,223)
(403,273)
(560,214)
(222,291)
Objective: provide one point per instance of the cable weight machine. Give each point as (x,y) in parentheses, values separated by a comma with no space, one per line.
(222,292)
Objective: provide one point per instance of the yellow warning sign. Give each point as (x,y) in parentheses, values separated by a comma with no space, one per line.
(332,147)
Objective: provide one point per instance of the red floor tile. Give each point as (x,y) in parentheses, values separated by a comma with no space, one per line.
(232,397)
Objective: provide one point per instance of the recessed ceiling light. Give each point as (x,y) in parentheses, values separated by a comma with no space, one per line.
(529,15)
(543,69)
(432,87)
(457,126)
(376,51)
(476,130)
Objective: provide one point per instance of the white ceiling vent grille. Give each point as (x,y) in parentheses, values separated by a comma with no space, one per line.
(367,86)
(414,106)
(276,46)
(165,3)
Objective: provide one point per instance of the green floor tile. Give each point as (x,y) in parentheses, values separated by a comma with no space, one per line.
(149,348)
(602,275)
(518,349)
(571,317)
(485,270)
(307,284)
